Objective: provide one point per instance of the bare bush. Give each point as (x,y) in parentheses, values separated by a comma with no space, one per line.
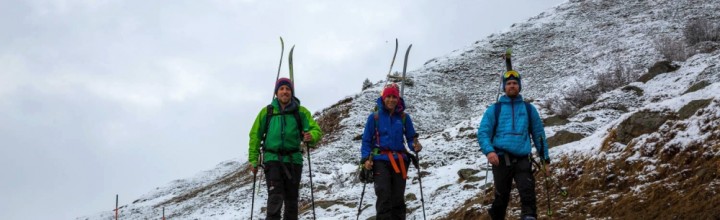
(618,76)
(700,30)
(582,95)
(671,49)
(579,96)
(558,106)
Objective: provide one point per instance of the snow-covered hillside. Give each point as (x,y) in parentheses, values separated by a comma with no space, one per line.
(555,51)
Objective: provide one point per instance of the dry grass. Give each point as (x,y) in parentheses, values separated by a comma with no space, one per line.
(329,119)
(654,179)
(229,182)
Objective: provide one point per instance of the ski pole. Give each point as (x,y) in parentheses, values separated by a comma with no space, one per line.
(252,206)
(545,173)
(422,198)
(361,199)
(362,169)
(312,197)
(255,190)
(116,206)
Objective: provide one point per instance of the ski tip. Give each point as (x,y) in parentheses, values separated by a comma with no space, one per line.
(508,52)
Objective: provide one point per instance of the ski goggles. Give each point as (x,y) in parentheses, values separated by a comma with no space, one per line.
(511,73)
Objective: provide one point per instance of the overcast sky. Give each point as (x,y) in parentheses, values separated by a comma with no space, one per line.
(102,97)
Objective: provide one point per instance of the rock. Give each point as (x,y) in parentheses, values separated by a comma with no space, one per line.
(697,86)
(657,69)
(555,120)
(638,91)
(563,137)
(690,108)
(410,197)
(641,123)
(466,174)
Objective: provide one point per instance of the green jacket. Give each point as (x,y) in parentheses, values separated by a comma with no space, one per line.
(277,140)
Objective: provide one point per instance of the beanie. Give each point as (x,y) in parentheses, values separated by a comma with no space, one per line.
(281,82)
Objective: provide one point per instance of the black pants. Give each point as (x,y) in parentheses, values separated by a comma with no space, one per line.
(390,191)
(282,190)
(520,170)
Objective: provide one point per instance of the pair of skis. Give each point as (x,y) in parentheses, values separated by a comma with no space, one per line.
(290,63)
(402,78)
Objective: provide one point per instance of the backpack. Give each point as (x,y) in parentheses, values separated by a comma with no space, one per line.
(269,115)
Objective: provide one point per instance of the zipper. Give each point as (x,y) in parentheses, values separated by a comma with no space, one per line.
(512,104)
(282,134)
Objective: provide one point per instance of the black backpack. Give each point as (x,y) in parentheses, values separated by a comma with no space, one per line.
(269,115)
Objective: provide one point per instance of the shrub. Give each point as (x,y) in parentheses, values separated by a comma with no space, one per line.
(671,49)
(366,84)
(700,30)
(582,94)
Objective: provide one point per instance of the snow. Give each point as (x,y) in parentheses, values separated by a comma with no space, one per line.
(554,51)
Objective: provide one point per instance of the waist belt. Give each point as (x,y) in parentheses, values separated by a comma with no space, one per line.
(510,158)
(392,161)
(282,153)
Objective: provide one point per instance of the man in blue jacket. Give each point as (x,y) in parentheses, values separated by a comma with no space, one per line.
(504,136)
(384,152)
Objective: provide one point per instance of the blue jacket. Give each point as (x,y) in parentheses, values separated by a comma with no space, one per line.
(513,130)
(390,127)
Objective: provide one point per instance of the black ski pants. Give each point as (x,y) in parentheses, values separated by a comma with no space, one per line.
(390,191)
(518,169)
(282,190)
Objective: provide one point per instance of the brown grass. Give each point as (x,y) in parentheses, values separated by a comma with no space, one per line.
(329,119)
(230,182)
(684,183)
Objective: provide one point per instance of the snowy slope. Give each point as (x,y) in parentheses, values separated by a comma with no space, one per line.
(554,51)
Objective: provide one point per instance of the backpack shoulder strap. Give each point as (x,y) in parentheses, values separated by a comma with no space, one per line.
(527,109)
(268,115)
(298,120)
(496,108)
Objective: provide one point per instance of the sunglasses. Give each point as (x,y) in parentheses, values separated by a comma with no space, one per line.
(511,73)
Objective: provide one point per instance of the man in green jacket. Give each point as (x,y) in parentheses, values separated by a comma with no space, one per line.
(278,131)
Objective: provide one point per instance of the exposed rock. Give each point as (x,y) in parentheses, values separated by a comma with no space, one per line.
(697,86)
(657,69)
(410,197)
(467,174)
(555,120)
(690,109)
(638,91)
(641,123)
(563,137)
